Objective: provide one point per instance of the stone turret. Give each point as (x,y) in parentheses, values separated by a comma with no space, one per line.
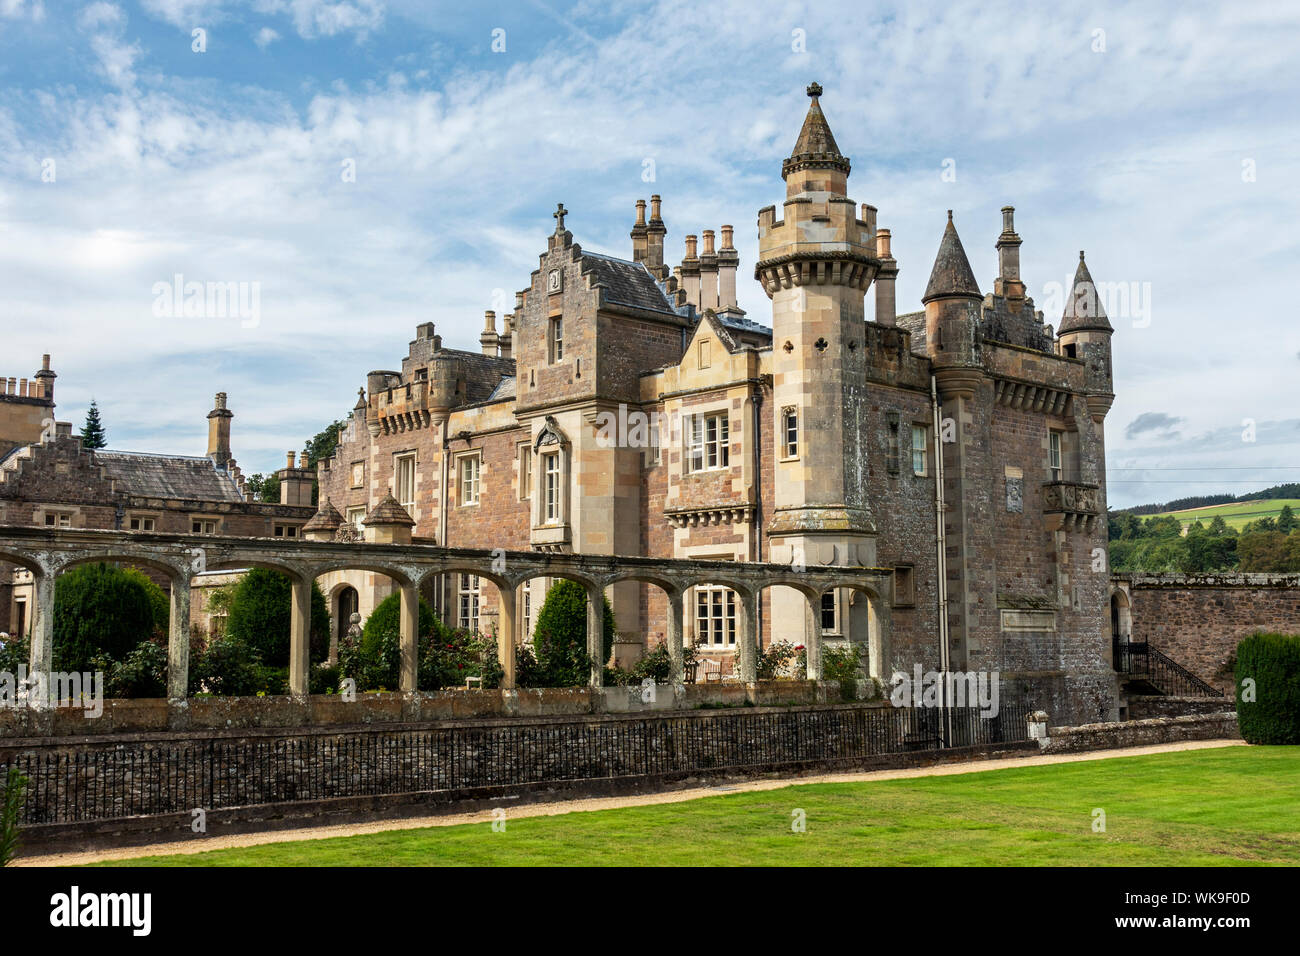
(953,306)
(1085,334)
(815,264)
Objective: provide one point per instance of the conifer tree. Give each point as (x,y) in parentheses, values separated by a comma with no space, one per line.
(92,433)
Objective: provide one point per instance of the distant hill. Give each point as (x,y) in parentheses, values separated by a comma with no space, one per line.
(1288,491)
(1236,514)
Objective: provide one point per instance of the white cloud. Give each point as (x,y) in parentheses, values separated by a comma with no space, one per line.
(1133,154)
(265,37)
(22,9)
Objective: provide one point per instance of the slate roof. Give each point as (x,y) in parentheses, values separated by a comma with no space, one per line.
(483,373)
(626,283)
(816,145)
(951,274)
(167,476)
(742,324)
(505,389)
(1083,310)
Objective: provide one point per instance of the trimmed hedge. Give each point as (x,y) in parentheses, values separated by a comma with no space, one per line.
(259,617)
(103,611)
(1272,663)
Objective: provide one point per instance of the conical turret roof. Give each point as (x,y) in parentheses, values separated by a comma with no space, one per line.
(816,145)
(387,512)
(1083,309)
(326,518)
(951,275)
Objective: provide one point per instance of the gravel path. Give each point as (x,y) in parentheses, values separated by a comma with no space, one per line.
(597,803)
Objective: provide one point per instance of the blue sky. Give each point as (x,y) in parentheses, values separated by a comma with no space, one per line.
(1162,139)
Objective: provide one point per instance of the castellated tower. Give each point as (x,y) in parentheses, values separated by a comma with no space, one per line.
(815,263)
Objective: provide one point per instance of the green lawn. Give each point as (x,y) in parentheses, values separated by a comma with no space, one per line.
(1235,514)
(1230,806)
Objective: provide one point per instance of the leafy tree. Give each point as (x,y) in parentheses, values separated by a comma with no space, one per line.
(92,432)
(1220,527)
(260,612)
(265,488)
(322,445)
(1287,521)
(1209,552)
(376,659)
(101,610)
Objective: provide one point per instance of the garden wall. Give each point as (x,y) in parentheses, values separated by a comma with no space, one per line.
(1139,733)
(330,710)
(1198,619)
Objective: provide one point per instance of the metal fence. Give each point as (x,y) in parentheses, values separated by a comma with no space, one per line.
(106,780)
(1140,659)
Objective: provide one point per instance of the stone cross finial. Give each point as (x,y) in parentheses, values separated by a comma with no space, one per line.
(559,214)
(815,90)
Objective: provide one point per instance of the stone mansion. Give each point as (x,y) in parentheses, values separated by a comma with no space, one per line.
(630,407)
(627,407)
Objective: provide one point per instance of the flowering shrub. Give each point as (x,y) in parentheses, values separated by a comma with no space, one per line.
(780,660)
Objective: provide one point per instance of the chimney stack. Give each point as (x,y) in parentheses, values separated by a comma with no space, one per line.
(655,232)
(886,307)
(219,431)
(639,233)
(295,480)
(728,262)
(489,339)
(691,271)
(1008,245)
(708,273)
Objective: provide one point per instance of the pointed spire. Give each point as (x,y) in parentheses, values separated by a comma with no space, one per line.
(387,512)
(1083,308)
(815,147)
(951,275)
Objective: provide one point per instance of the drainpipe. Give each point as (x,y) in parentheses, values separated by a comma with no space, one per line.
(442,515)
(757,548)
(941,544)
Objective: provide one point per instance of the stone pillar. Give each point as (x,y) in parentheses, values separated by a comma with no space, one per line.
(673,635)
(747,636)
(506,625)
(300,637)
(410,636)
(595,633)
(178,639)
(42,647)
(812,636)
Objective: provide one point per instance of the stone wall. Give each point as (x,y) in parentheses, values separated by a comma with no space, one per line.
(1198,619)
(1139,733)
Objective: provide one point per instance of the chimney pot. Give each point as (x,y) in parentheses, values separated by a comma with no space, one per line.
(640,212)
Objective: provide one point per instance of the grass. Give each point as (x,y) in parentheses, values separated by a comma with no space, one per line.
(1235,514)
(1229,806)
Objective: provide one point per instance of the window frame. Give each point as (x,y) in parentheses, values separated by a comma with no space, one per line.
(711,598)
(555,339)
(700,447)
(1056,454)
(468,600)
(921,451)
(463,499)
(142,518)
(552,505)
(400,462)
(790,424)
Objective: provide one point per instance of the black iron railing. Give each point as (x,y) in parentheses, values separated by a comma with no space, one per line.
(105,780)
(1140,659)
